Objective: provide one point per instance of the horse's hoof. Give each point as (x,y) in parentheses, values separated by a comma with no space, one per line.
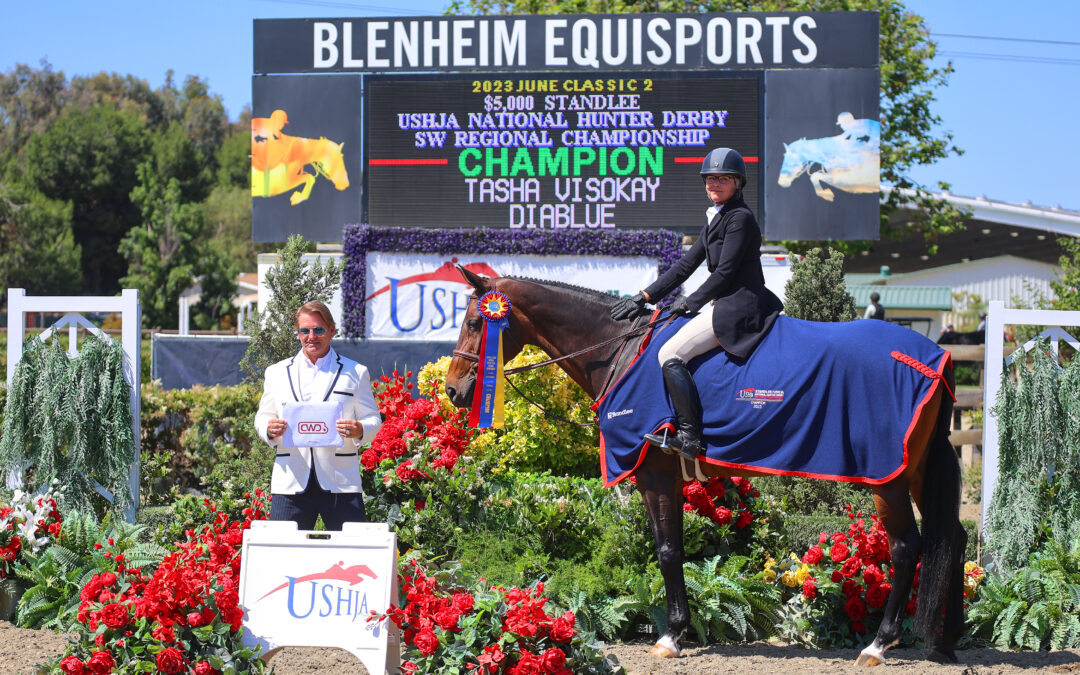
(870,657)
(943,655)
(665,648)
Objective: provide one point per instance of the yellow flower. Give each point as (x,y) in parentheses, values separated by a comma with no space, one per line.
(803,574)
(788,579)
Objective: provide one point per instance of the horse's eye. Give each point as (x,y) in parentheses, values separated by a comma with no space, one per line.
(474,325)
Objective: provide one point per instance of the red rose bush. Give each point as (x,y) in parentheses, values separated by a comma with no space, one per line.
(839,586)
(417,437)
(181,618)
(447,628)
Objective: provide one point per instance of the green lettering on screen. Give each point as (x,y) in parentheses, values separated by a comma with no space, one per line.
(522,162)
(530,162)
(471,153)
(554,163)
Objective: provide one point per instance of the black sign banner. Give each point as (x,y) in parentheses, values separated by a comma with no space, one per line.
(590,42)
(538,150)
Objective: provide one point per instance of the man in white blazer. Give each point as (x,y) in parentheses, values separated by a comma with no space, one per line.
(308,482)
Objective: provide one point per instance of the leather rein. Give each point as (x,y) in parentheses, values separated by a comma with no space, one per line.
(624,337)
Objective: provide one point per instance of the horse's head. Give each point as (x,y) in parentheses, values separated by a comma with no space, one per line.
(461,376)
(794,163)
(332,162)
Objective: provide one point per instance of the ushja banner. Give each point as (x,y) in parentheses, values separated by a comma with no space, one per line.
(424,297)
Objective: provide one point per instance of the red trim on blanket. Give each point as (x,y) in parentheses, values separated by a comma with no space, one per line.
(641,457)
(939,380)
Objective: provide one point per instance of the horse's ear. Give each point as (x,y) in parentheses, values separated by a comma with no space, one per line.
(481,284)
(785,147)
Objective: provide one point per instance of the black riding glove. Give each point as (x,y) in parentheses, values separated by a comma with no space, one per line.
(627,308)
(681,307)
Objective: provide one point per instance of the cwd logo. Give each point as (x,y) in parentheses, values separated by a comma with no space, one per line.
(746,393)
(312,427)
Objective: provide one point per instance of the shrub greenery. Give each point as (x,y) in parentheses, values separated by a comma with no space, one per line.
(188,435)
(531,440)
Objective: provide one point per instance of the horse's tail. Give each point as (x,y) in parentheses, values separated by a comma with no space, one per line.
(943,538)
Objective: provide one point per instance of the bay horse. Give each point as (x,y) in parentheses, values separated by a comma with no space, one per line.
(563,320)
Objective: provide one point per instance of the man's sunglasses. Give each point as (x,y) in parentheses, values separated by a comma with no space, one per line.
(318,330)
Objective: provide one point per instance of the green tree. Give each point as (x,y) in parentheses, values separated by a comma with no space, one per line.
(1066,287)
(234,160)
(89,158)
(37,250)
(228,216)
(816,290)
(910,131)
(176,156)
(292,282)
(121,92)
(169,253)
(30,100)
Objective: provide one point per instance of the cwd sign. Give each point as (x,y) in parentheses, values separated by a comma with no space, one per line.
(312,428)
(424,297)
(317,589)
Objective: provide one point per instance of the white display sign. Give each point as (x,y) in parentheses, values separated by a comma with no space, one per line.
(311,424)
(424,297)
(317,589)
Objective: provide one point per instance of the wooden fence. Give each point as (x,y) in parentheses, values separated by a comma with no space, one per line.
(968,400)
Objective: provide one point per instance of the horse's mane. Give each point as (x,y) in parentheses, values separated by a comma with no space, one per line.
(580,291)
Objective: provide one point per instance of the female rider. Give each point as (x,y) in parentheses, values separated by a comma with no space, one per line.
(732,308)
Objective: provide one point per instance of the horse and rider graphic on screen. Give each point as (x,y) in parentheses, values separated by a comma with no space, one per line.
(279,162)
(849,161)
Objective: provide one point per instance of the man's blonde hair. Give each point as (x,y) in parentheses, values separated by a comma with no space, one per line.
(316,307)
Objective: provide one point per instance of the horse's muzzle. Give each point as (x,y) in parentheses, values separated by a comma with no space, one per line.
(460,398)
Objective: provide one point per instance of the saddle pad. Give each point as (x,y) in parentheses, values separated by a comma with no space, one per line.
(824,400)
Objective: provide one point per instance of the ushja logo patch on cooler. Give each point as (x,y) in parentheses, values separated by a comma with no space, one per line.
(759,397)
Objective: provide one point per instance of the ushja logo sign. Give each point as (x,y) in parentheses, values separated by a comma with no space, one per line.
(312,427)
(329,592)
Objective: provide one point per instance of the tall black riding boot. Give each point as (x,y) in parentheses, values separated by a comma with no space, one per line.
(684,396)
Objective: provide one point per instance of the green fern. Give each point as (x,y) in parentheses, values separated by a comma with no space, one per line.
(727,606)
(56,576)
(1037,608)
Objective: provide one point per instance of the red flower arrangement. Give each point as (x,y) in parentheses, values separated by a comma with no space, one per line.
(707,499)
(416,437)
(487,630)
(183,616)
(857,572)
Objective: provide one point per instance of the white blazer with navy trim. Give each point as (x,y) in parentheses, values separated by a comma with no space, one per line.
(338,469)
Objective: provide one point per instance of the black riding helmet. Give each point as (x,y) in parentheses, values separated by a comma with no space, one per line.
(724,161)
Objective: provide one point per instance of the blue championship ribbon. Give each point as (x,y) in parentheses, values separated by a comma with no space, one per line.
(487,407)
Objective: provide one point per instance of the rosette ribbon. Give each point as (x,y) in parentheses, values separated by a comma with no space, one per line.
(487,405)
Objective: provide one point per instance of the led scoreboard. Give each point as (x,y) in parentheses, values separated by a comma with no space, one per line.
(553,150)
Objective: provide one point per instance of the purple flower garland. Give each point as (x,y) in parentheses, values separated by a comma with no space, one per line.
(664,245)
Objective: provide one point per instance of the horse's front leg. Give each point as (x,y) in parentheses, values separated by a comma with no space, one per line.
(822,191)
(661,487)
(297,197)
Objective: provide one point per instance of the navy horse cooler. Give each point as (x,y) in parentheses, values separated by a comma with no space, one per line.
(836,401)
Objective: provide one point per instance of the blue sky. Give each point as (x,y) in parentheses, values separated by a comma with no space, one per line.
(1011,104)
